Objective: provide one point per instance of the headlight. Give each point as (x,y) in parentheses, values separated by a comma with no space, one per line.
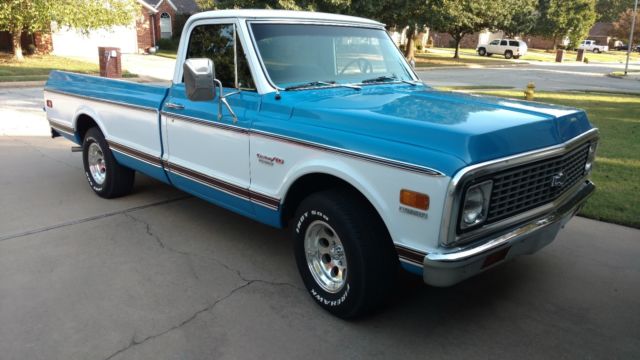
(476,204)
(591,158)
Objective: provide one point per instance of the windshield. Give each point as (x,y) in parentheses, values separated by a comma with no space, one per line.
(298,54)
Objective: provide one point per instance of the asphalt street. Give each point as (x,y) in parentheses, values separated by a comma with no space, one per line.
(162,275)
(546,76)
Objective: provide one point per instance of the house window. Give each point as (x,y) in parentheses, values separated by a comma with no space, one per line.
(165,25)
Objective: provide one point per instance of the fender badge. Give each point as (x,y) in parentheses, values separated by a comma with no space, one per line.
(413,212)
(269,160)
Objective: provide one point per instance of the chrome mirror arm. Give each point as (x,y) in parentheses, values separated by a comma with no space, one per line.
(222,99)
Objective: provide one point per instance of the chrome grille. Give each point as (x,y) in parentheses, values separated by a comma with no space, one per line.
(531,185)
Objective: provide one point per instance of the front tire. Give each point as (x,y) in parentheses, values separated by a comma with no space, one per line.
(344,254)
(106,177)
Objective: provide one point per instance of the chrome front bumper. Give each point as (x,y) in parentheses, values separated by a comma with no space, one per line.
(456,264)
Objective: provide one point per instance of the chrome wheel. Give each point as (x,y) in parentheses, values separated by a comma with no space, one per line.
(97,165)
(326,256)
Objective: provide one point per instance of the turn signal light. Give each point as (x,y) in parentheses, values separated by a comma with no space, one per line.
(414,199)
(49,103)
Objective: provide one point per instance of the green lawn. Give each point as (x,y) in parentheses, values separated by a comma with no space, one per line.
(468,57)
(38,67)
(617,169)
(171,54)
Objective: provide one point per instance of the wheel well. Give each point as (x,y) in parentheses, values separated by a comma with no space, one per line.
(83,124)
(316,182)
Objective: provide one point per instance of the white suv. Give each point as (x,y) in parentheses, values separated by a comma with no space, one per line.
(507,47)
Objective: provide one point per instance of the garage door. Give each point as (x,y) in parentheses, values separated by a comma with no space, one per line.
(70,42)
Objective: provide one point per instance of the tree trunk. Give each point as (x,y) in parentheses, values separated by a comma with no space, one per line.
(16,41)
(410,48)
(555,42)
(457,38)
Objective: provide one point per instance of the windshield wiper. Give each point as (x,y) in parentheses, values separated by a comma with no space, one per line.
(387,78)
(312,84)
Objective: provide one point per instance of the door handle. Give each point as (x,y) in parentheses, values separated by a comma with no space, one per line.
(174,106)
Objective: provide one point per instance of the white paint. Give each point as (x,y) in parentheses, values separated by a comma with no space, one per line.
(380,184)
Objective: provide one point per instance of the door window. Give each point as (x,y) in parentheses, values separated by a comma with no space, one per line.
(513,43)
(220,43)
(503,43)
(494,42)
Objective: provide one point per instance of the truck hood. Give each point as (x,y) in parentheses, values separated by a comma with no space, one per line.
(472,128)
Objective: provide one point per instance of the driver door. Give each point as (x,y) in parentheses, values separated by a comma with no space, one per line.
(207,154)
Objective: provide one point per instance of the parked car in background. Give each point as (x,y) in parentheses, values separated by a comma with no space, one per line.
(590,45)
(507,47)
(621,47)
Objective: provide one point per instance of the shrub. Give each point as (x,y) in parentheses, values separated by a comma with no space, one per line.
(168,44)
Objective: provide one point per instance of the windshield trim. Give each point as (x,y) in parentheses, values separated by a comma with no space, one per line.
(408,67)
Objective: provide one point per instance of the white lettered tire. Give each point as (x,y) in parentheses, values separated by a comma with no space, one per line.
(344,254)
(106,177)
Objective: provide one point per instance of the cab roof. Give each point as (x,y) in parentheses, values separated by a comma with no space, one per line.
(256,14)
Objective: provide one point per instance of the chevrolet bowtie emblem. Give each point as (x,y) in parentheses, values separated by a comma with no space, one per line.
(558,180)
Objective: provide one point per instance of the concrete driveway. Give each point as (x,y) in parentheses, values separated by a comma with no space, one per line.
(162,275)
(546,76)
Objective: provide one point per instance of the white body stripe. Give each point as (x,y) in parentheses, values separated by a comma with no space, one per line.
(381,184)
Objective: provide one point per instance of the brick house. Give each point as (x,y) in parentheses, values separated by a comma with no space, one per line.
(155,19)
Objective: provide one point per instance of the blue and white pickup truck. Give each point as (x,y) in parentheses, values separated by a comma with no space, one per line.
(316,122)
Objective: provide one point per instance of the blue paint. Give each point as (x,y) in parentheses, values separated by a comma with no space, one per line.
(414,269)
(441,130)
(445,131)
(230,202)
(72,138)
(149,96)
(155,172)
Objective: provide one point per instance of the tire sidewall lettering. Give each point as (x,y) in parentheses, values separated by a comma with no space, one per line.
(92,183)
(319,295)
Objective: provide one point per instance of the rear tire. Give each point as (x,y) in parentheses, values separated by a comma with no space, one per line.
(516,57)
(106,177)
(344,253)
(508,54)
(482,52)
(489,54)
(596,51)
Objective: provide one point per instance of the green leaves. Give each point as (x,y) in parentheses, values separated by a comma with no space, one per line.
(37,15)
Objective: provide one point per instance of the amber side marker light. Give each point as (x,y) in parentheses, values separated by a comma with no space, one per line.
(414,199)
(49,103)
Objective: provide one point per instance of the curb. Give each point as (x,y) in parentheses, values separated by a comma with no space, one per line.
(470,66)
(21,84)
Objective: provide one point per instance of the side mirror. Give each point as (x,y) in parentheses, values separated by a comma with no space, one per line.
(199,79)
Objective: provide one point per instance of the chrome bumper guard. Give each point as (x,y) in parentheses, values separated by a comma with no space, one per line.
(456,264)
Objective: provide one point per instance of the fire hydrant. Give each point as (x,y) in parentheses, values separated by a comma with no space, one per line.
(530,92)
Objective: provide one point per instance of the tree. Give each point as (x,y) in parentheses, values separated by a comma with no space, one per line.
(622,27)
(462,17)
(560,18)
(398,14)
(520,19)
(17,16)
(314,5)
(610,10)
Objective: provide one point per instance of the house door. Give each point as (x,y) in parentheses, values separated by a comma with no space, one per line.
(165,25)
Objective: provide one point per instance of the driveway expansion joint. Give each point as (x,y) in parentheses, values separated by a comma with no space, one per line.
(89,219)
